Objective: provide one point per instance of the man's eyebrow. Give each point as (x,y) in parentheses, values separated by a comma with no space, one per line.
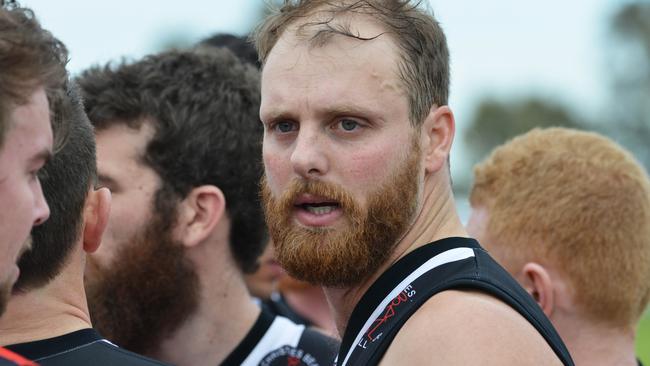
(105,179)
(44,155)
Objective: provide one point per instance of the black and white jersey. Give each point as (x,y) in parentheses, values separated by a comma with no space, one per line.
(275,340)
(278,305)
(451,263)
(83,347)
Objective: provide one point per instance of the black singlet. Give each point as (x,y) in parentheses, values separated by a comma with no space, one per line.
(451,263)
(278,305)
(275,340)
(83,347)
(9,358)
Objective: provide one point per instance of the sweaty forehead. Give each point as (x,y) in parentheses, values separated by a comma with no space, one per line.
(323,27)
(368,46)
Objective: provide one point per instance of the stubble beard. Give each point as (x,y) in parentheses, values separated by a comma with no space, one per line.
(343,257)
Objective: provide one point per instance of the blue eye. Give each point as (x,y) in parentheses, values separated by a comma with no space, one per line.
(285,127)
(349,124)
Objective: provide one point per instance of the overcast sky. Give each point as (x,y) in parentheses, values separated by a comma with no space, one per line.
(498,47)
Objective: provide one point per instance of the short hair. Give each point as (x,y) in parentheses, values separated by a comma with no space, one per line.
(424,55)
(66,180)
(204,107)
(579,201)
(240,46)
(30,57)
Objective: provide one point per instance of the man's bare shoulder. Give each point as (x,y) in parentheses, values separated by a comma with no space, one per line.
(467,327)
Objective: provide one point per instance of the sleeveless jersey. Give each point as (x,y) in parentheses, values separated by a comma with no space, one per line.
(451,263)
(275,340)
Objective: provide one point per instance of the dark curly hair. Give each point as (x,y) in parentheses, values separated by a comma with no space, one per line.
(204,107)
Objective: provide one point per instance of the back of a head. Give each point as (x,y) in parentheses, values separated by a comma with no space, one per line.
(66,180)
(579,202)
(240,46)
(424,56)
(204,107)
(29,57)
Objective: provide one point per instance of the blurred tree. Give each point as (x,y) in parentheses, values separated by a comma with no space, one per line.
(628,60)
(496,121)
(626,118)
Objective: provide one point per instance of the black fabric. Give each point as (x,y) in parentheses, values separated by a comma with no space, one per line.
(278,305)
(480,273)
(323,348)
(83,347)
(246,346)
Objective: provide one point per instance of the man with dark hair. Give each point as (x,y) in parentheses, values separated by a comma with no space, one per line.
(32,74)
(357,190)
(178,139)
(567,212)
(301,302)
(47,317)
(240,46)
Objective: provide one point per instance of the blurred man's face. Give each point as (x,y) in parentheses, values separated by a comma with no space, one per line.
(27,146)
(342,161)
(264,281)
(139,285)
(120,168)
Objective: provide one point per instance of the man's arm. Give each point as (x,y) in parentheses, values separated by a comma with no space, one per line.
(468,328)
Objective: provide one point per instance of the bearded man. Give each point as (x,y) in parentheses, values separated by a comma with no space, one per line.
(358,197)
(47,316)
(178,145)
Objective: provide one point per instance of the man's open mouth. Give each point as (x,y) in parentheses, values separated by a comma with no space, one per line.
(316,205)
(320,208)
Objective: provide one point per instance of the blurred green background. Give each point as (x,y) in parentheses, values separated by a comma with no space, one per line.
(643,339)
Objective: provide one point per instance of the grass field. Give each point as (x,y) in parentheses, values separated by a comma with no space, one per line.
(643,339)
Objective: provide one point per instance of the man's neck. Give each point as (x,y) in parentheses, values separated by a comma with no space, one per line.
(599,344)
(310,303)
(437,219)
(56,309)
(225,314)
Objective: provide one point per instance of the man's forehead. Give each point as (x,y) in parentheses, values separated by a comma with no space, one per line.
(346,30)
(127,140)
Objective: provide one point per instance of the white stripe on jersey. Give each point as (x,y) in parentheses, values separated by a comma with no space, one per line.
(282,332)
(448,256)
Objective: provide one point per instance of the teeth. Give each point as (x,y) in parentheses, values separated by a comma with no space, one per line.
(321,210)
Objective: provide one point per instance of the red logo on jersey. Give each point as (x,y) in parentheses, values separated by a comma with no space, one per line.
(390,311)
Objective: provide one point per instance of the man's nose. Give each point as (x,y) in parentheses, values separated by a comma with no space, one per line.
(41,208)
(309,158)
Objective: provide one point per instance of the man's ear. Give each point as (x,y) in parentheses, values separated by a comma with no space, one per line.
(437,133)
(199,213)
(96,211)
(537,281)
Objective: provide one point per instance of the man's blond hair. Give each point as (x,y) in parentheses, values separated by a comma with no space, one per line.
(579,201)
(423,64)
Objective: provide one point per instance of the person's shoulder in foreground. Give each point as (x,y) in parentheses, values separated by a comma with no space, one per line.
(82,347)
(9,358)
